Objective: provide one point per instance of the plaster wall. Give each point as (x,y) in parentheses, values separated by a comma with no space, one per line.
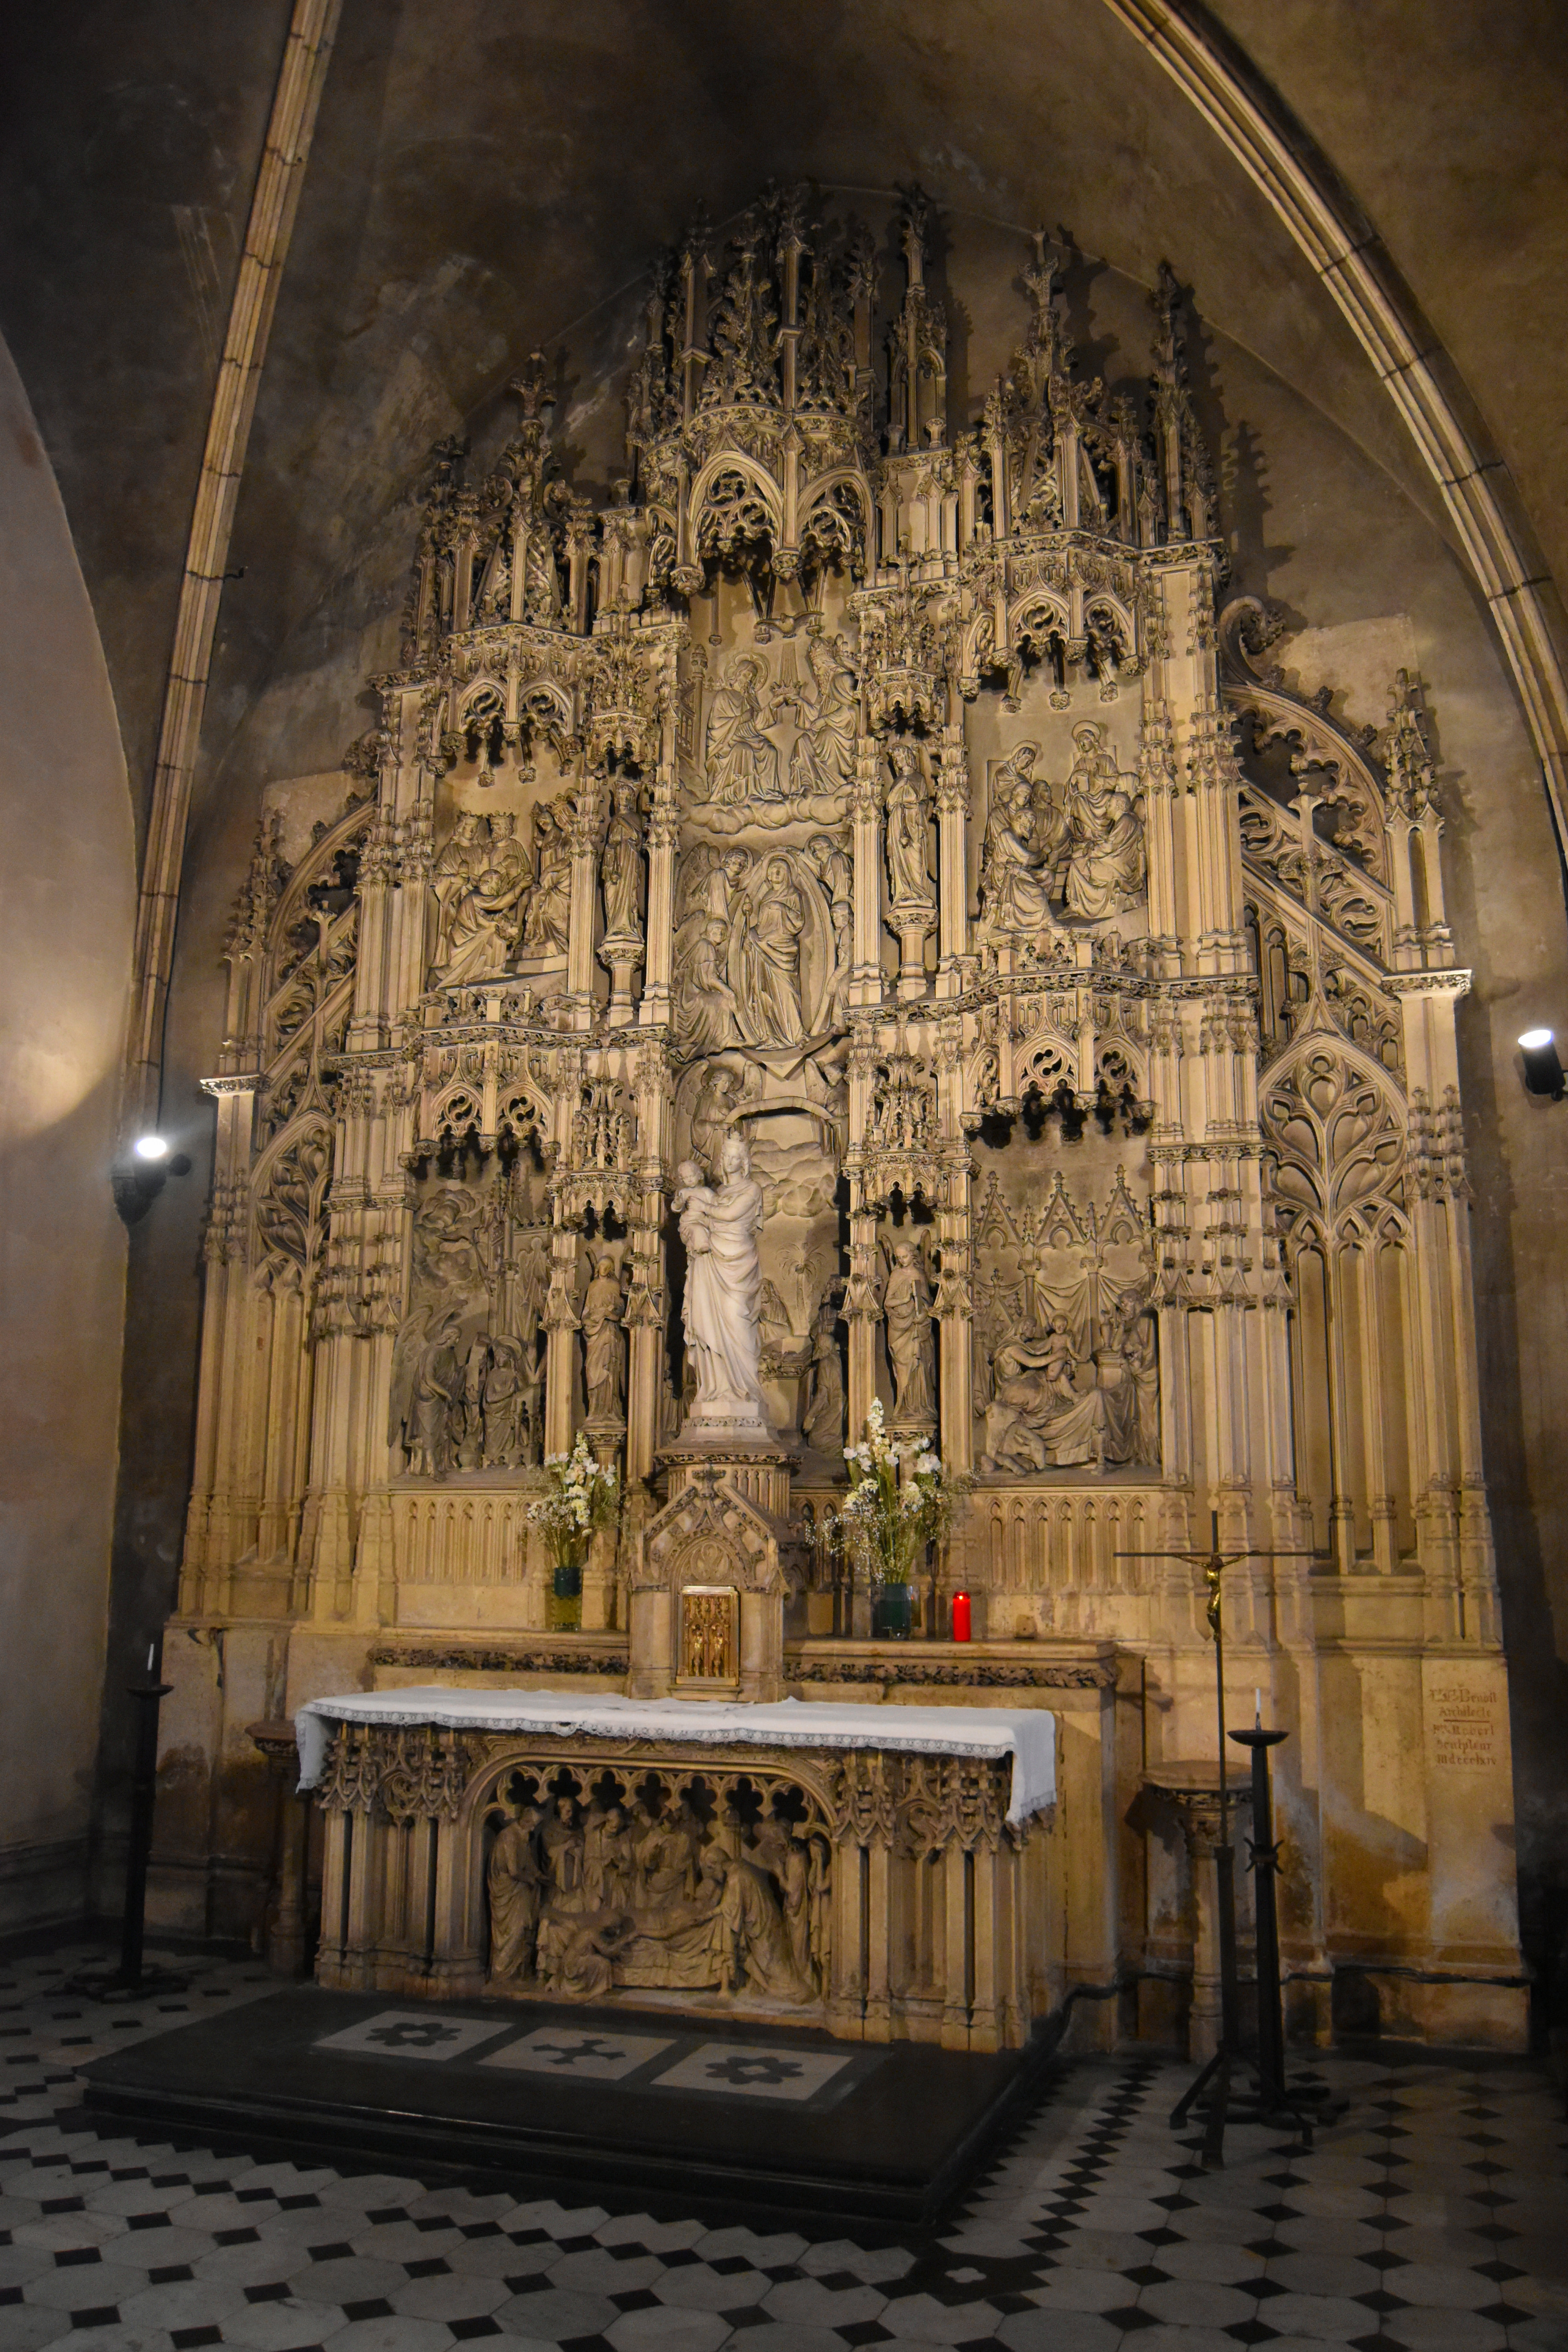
(67,901)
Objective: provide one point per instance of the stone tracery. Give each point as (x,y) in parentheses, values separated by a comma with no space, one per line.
(879,789)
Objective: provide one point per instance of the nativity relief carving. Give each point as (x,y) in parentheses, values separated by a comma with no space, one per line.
(667,1882)
(1058,1403)
(1064,1358)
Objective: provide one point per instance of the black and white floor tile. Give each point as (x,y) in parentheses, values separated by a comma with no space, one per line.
(1432,2218)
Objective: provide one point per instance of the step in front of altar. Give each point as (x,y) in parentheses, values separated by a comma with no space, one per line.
(733,2113)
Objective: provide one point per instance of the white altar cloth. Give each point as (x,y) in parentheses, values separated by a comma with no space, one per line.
(1027,1733)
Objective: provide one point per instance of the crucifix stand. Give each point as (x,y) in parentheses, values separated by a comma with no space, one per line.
(1271,2098)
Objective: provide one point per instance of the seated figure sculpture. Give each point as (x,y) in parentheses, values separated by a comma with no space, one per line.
(1015,882)
(1038,1419)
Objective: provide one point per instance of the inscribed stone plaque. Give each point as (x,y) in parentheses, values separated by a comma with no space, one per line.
(1463,1719)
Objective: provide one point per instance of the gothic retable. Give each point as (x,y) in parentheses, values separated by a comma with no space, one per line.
(890,801)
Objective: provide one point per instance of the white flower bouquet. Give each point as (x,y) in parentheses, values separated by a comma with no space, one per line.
(900,1501)
(581,1497)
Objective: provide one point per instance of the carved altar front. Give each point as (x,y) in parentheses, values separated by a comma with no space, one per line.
(895,789)
(879,1893)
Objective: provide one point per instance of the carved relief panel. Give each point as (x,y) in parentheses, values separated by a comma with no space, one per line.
(467,1379)
(1066,1371)
(659,1879)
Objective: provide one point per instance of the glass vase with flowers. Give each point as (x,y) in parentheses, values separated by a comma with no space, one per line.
(901,1502)
(581,1496)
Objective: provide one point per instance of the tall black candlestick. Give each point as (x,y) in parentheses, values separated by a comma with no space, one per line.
(1266,1914)
(131,1977)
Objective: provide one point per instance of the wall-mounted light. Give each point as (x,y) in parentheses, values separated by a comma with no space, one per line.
(140,1174)
(1544,1072)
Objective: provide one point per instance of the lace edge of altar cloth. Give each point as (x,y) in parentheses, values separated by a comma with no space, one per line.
(1028,1735)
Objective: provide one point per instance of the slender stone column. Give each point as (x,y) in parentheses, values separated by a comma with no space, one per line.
(561,1326)
(952,875)
(585,831)
(953,1296)
(663,828)
(862,1312)
(865,969)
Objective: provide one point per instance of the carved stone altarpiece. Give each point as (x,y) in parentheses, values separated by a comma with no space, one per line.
(892,789)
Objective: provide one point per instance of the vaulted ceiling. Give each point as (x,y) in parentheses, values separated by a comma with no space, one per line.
(490,175)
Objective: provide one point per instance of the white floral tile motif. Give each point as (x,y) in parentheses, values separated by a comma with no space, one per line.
(412,2033)
(746,2070)
(586,2057)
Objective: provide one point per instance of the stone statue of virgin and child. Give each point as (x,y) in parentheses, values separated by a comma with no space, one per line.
(719,1226)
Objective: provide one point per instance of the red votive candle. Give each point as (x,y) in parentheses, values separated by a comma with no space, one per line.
(960,1616)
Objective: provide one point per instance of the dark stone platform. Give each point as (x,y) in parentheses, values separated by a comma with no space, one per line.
(710,2111)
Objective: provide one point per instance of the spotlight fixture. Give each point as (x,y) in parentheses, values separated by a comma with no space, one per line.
(140,1172)
(1542,1066)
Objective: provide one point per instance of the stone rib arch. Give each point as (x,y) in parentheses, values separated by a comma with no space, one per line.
(820,498)
(729,460)
(317,863)
(1341,246)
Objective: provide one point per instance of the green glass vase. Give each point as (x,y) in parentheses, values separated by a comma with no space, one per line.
(565,1611)
(890,1610)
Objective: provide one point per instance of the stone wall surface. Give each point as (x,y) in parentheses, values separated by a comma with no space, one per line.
(65,955)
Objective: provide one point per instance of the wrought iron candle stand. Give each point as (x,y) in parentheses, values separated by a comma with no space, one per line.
(1273,2089)
(1272,2098)
(132,1977)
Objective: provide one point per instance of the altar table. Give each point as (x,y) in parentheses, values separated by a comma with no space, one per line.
(887,1871)
(1027,1733)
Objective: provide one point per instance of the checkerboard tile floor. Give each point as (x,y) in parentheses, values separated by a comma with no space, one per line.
(1432,2218)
